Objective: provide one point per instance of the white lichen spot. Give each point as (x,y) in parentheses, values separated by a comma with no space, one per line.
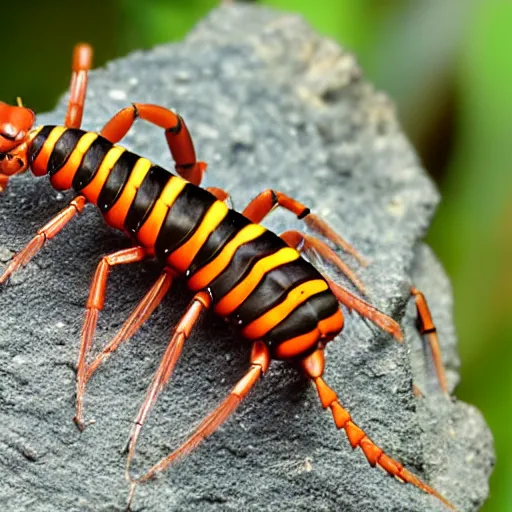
(5,254)
(308,464)
(19,360)
(207,132)
(133,81)
(60,325)
(182,76)
(396,207)
(117,94)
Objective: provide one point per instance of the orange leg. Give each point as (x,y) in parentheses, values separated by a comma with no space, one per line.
(176,133)
(47,232)
(82,60)
(200,302)
(427,328)
(305,242)
(260,360)
(265,202)
(313,366)
(314,247)
(220,194)
(138,316)
(95,304)
(385,322)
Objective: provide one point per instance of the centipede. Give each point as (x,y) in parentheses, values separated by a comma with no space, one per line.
(261,282)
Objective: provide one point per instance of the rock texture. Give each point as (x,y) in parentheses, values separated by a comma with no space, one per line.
(270,104)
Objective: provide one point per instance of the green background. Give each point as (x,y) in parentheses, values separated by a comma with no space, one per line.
(448,67)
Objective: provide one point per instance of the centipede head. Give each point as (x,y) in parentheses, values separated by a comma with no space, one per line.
(15,125)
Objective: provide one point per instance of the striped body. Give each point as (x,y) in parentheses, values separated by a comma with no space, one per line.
(254,278)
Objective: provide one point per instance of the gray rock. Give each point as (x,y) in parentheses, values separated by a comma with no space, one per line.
(270,104)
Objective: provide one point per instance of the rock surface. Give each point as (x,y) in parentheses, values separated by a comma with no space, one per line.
(269,104)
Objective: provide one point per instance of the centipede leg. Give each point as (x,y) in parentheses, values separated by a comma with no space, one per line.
(95,304)
(313,246)
(268,200)
(219,193)
(138,316)
(260,360)
(304,243)
(200,303)
(47,232)
(82,60)
(427,328)
(313,366)
(176,133)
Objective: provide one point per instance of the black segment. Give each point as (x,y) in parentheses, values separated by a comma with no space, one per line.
(150,189)
(185,214)
(303,319)
(303,213)
(232,223)
(177,127)
(38,143)
(63,148)
(91,162)
(116,181)
(242,262)
(273,289)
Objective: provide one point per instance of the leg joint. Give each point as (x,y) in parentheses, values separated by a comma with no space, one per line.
(304,213)
(275,198)
(136,113)
(177,127)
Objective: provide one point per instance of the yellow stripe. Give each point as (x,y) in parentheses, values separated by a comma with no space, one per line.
(116,216)
(85,141)
(63,178)
(242,290)
(54,136)
(93,189)
(40,164)
(277,314)
(172,190)
(209,272)
(33,133)
(181,258)
(148,232)
(139,172)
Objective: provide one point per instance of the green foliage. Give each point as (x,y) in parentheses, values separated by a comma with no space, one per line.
(447,65)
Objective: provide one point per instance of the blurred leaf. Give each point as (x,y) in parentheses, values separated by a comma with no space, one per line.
(472,230)
(159,21)
(37,62)
(345,20)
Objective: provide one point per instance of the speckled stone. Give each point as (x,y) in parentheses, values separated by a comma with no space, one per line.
(270,104)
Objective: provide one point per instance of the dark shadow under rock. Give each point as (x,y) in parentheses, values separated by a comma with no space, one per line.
(269,104)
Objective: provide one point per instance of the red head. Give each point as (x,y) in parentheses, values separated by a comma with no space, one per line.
(15,125)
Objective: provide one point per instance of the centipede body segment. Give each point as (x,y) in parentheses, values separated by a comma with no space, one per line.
(259,281)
